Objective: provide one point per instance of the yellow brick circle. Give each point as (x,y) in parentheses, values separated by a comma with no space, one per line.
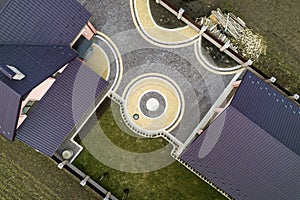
(154,83)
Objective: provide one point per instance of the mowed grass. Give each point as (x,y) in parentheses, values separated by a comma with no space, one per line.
(26,174)
(173,182)
(118,132)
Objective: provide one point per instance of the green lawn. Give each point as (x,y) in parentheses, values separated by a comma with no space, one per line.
(171,182)
(118,135)
(26,174)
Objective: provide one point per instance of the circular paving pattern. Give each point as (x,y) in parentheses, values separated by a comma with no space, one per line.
(156,99)
(152,104)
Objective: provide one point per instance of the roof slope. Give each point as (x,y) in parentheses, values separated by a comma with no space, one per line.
(52,119)
(245,161)
(36,62)
(265,106)
(10,106)
(42,22)
(35,38)
(251,151)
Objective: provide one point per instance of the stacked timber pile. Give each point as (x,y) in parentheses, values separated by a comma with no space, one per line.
(229,28)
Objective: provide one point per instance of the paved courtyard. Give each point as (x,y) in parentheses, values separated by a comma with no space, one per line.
(154,73)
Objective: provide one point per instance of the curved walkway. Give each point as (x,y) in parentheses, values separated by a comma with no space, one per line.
(167,89)
(109,53)
(212,68)
(99,62)
(156,35)
(172,38)
(143,51)
(116,57)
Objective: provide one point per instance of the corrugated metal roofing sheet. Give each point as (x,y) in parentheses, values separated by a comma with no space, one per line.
(5,70)
(36,62)
(265,106)
(52,119)
(35,38)
(10,106)
(251,151)
(42,22)
(242,159)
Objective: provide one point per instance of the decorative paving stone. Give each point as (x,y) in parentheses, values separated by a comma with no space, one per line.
(156,99)
(152,104)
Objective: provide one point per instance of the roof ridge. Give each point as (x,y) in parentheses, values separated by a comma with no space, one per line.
(41,22)
(35,45)
(266,131)
(265,101)
(283,99)
(233,107)
(243,153)
(10,88)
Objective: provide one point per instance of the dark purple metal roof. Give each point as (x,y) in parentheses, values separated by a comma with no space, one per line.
(52,119)
(35,38)
(265,106)
(7,71)
(251,151)
(36,62)
(243,160)
(41,22)
(10,106)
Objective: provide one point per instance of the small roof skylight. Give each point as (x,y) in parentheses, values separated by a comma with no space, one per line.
(11,72)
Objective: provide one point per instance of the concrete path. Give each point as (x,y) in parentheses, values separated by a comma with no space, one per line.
(159,36)
(142,47)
